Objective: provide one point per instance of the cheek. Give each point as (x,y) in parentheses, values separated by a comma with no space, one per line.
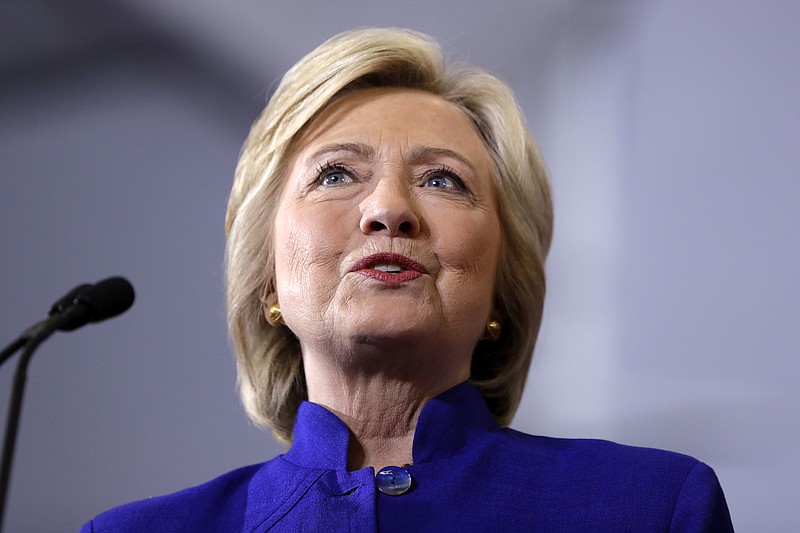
(468,254)
(470,244)
(306,260)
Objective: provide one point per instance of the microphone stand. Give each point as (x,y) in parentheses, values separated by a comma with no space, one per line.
(11,348)
(31,340)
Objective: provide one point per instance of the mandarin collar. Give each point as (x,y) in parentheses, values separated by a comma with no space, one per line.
(445,426)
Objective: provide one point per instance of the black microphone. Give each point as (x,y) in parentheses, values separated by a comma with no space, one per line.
(84,304)
(93,303)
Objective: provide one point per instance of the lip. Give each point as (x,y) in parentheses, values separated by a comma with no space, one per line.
(411,269)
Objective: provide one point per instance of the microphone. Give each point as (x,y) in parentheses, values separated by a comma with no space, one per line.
(84,304)
(93,303)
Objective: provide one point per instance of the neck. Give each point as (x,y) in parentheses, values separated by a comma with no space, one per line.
(380,410)
(381,418)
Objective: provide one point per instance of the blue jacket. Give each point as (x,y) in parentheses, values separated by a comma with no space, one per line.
(469,474)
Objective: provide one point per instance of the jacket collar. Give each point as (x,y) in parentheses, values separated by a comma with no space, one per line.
(447,424)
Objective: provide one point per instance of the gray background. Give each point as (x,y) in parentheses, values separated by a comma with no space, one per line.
(671,130)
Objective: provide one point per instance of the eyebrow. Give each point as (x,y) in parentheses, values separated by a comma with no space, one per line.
(363,151)
(429,154)
(417,154)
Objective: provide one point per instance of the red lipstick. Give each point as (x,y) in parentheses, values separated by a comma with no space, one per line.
(389,268)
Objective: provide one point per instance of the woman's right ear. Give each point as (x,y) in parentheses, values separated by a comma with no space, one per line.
(271,307)
(273,314)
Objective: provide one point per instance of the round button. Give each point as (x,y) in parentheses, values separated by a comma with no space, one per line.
(393,480)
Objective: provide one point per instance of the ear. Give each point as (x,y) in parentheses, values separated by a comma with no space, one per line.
(494,325)
(269,298)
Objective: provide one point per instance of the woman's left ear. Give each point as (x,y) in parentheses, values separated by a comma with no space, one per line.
(492,330)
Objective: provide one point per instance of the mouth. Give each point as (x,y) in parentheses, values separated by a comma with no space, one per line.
(389,268)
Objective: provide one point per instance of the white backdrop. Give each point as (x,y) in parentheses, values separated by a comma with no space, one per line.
(670,129)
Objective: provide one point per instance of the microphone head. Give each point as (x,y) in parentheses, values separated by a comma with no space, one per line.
(105,299)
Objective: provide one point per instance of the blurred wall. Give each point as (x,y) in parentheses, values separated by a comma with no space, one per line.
(670,132)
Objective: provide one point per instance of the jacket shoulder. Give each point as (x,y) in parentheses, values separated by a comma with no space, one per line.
(598,456)
(599,478)
(220,502)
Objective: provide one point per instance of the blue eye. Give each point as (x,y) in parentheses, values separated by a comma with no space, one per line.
(440,182)
(445,179)
(333,175)
(336,178)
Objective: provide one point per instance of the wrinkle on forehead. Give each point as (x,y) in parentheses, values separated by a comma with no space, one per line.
(335,115)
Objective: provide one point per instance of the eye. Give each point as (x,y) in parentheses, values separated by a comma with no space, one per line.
(444,179)
(440,182)
(332,175)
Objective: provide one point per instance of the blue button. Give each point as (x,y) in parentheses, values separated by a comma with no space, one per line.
(393,480)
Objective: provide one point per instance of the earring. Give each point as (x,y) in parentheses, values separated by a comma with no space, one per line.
(493,329)
(274,316)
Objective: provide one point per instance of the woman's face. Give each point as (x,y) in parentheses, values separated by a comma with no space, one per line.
(387,230)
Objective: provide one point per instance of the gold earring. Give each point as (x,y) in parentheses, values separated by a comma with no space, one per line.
(493,329)
(274,315)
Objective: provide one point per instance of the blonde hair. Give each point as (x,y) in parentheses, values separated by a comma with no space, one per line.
(269,361)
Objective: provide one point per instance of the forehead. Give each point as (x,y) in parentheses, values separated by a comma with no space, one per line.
(397,118)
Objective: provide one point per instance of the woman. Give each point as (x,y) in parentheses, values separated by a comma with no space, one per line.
(387,231)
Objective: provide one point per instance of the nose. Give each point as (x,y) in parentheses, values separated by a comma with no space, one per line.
(389,208)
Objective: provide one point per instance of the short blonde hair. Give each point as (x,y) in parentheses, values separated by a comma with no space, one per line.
(269,360)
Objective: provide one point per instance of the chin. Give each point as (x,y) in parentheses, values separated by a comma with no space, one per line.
(387,327)
(385,335)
